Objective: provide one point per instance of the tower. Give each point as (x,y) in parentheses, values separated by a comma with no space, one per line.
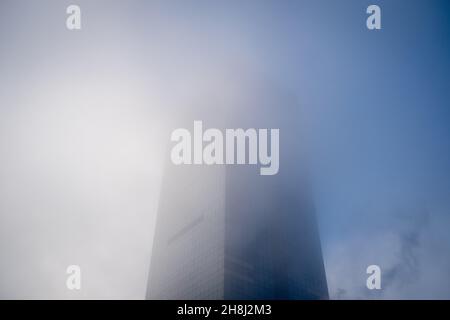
(227,232)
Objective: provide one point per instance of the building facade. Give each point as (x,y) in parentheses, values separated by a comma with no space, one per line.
(227,232)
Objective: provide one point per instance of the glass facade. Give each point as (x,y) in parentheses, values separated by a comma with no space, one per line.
(227,232)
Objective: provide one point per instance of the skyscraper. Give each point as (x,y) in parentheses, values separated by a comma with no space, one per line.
(226,232)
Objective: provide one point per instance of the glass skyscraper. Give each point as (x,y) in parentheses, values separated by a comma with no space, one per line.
(227,232)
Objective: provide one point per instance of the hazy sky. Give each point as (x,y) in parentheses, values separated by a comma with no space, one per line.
(83,117)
